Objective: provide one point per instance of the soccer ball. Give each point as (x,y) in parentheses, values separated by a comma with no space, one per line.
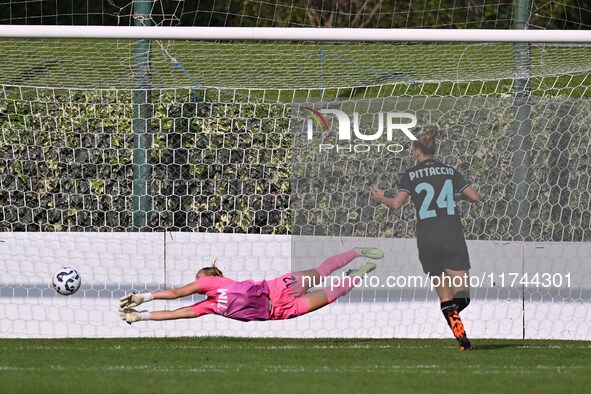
(66,281)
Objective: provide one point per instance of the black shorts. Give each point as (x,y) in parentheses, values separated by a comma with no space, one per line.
(436,258)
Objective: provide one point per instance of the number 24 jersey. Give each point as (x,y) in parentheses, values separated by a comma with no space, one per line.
(432,186)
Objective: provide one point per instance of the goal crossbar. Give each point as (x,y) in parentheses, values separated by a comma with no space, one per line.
(294,34)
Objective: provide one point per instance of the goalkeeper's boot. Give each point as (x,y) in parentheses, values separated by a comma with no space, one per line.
(129,315)
(370,253)
(457,327)
(363,270)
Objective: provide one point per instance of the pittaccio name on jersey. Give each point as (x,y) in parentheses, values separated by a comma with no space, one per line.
(430,171)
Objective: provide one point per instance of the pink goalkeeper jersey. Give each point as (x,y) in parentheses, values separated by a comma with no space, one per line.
(245,301)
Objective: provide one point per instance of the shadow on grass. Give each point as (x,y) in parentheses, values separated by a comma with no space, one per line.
(498,346)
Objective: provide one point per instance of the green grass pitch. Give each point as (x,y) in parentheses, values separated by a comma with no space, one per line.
(261,365)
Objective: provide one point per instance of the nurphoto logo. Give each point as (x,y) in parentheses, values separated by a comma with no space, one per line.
(391,125)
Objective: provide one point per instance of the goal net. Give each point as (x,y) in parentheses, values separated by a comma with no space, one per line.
(140,161)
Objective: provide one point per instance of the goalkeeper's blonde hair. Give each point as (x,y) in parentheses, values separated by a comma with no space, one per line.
(211,271)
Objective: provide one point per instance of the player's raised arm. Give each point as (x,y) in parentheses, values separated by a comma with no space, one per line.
(392,202)
(470,194)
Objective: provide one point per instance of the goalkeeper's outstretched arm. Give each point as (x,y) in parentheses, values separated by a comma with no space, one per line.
(131,315)
(172,294)
(133,300)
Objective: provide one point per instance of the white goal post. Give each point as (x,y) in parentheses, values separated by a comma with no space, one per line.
(296,34)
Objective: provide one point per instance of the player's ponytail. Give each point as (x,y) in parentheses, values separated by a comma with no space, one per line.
(426,141)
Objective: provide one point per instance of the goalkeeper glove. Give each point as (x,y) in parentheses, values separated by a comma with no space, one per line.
(133,300)
(132,316)
(129,315)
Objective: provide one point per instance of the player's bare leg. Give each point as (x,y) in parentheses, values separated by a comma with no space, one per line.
(320,298)
(314,277)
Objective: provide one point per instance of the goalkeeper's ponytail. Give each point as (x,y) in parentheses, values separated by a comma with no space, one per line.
(426,141)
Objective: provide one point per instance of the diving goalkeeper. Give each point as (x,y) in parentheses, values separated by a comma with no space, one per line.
(282,298)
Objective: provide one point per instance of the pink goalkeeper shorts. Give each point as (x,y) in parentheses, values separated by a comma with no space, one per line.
(287,301)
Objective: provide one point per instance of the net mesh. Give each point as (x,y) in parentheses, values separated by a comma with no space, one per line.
(110,64)
(220,158)
(483,14)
